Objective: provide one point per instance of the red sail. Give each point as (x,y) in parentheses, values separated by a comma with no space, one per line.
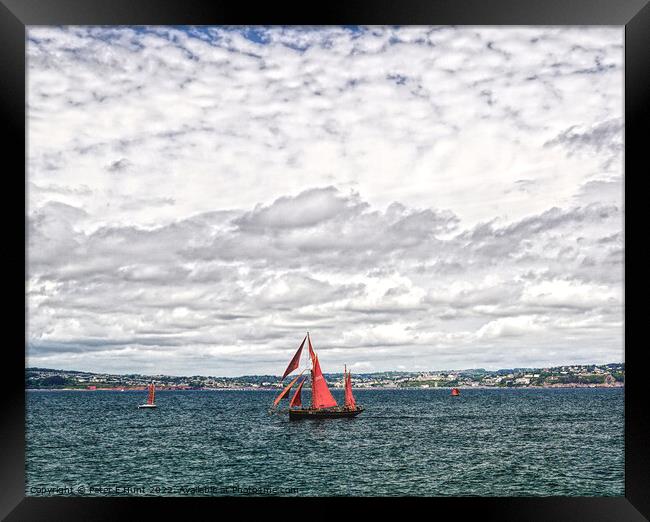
(349,398)
(151,394)
(321,397)
(312,354)
(296,400)
(285,391)
(295,362)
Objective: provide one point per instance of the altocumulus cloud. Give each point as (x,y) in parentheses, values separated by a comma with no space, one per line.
(422,197)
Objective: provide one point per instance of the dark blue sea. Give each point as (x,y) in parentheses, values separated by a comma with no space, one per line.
(495,442)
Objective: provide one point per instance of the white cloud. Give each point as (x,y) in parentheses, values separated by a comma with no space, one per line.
(421,197)
(519,326)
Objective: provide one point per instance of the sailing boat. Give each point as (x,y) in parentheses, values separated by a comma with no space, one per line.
(150,398)
(323,404)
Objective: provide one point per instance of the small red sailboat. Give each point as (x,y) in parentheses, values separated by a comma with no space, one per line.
(323,404)
(455,392)
(150,398)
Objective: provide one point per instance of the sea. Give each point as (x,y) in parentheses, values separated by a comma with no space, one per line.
(407,442)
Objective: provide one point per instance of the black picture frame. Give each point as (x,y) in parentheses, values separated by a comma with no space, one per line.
(15,15)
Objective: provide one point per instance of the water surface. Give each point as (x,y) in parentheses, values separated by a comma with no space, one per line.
(501,442)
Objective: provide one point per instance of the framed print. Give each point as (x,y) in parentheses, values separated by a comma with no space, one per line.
(370,254)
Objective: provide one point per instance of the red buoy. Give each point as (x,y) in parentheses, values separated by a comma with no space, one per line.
(455,392)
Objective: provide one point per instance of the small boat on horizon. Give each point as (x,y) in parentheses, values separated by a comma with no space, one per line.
(323,404)
(150,399)
(455,392)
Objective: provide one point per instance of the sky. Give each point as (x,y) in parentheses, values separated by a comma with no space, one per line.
(418,198)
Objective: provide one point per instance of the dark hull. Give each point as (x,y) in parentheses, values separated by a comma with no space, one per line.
(334,413)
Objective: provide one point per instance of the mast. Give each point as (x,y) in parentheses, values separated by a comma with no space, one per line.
(311,358)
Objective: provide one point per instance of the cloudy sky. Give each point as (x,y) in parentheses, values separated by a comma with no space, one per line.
(418,198)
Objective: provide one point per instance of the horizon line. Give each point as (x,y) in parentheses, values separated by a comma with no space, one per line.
(325,373)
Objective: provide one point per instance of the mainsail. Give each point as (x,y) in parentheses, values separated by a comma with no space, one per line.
(285,391)
(321,397)
(349,398)
(152,394)
(295,362)
(296,400)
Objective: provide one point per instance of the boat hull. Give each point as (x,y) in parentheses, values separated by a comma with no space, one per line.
(146,406)
(333,413)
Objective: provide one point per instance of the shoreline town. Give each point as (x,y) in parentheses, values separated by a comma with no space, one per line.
(568,376)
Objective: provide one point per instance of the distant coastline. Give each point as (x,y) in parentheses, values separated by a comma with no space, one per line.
(379,388)
(569,376)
